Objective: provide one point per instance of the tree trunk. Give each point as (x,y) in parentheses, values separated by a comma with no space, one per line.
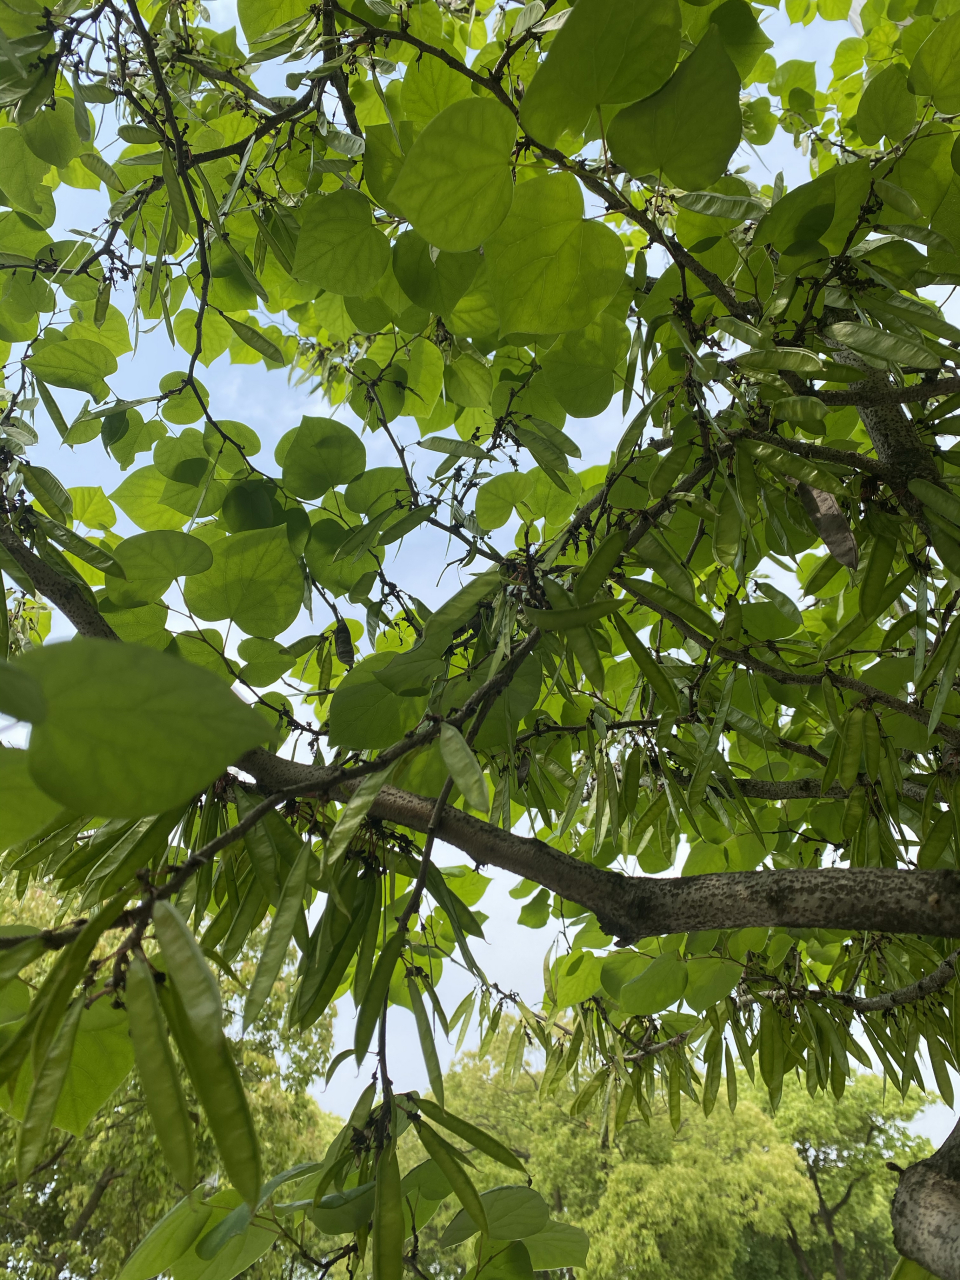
(796,1248)
(926,1211)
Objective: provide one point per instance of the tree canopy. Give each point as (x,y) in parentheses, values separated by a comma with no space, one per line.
(473,231)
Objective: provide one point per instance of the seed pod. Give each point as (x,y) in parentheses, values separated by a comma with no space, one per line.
(852,749)
(872,746)
(732,620)
(875,578)
(726,529)
(748,489)
(853,812)
(343,643)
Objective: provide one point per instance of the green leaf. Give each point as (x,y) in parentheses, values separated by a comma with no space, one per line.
(512,1213)
(709,980)
(20,695)
(238,1252)
(479,1138)
(660,985)
(604,53)
(887,107)
(254,579)
(101,1061)
(45,1093)
(321,454)
(197,1018)
(464,768)
(52,134)
(158,1073)
(579,369)
(78,363)
(691,127)
(909,1270)
(742,35)
(278,940)
(234,1224)
(345,1210)
(18,957)
(497,498)
(371,1008)
(427,1044)
(367,713)
(935,70)
(43,1019)
(456,186)
(155,730)
(167,1240)
(549,270)
(22,171)
(559,1244)
(139,497)
(429,87)
(448,1160)
(339,248)
(151,561)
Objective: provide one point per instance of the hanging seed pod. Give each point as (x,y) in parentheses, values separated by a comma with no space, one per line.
(343,643)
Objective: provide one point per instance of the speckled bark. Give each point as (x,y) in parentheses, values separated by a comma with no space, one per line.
(60,591)
(631,907)
(892,431)
(926,1211)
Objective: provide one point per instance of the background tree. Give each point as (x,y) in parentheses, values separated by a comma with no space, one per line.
(476,229)
(847,1147)
(96,1192)
(718,1196)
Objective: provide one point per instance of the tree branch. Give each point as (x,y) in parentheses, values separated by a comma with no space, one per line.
(60,591)
(890,395)
(110,1174)
(911,994)
(872,899)
(744,658)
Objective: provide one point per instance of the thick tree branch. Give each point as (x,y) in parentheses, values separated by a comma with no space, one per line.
(890,394)
(926,1211)
(880,898)
(60,591)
